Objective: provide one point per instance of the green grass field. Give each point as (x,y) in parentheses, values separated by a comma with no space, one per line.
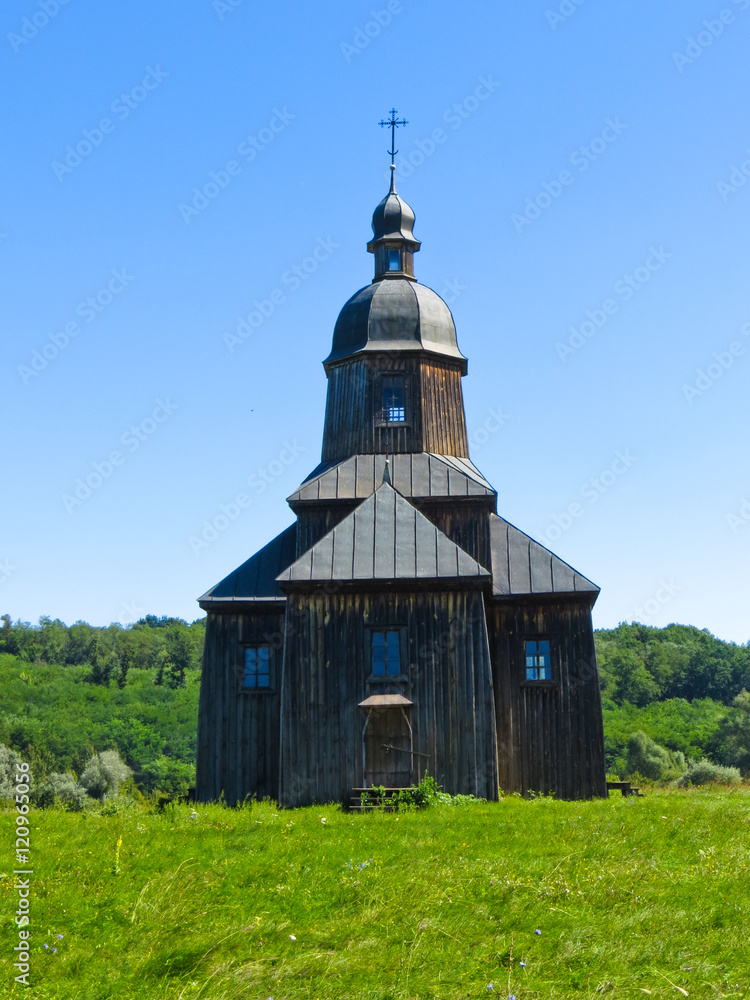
(531,899)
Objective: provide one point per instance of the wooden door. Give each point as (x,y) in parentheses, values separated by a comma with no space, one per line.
(388,749)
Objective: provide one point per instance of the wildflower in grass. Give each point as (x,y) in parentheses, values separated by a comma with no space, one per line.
(59,937)
(46,946)
(490,986)
(292,937)
(54,951)
(537,931)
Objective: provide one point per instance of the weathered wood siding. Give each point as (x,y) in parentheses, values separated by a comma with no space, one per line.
(435,419)
(238,732)
(315,520)
(443,417)
(550,735)
(465,522)
(326,670)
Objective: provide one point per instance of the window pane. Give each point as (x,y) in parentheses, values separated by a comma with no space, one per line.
(545,674)
(394,260)
(531,673)
(544,647)
(257,667)
(394,410)
(385,653)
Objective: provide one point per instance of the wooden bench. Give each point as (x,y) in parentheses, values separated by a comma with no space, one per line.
(625,787)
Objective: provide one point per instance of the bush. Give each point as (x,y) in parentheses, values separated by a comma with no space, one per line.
(166,774)
(652,761)
(104,774)
(703,772)
(62,789)
(8,760)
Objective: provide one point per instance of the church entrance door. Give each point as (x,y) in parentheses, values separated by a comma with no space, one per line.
(387,746)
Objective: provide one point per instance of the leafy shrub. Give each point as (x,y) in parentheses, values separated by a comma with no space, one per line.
(652,761)
(62,789)
(104,774)
(732,743)
(168,775)
(703,772)
(8,760)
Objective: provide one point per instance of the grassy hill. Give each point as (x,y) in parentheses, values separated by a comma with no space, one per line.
(525,899)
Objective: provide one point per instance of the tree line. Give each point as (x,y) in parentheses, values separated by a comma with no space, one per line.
(169,646)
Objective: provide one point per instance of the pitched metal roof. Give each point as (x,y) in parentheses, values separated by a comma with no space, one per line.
(522,566)
(413,475)
(255,579)
(385,538)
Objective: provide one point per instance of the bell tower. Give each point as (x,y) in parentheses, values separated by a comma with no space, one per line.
(395,369)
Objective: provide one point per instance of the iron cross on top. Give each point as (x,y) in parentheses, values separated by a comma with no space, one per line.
(394,124)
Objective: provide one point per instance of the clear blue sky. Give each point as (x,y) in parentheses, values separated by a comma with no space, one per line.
(574,180)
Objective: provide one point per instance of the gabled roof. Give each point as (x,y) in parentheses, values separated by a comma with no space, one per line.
(522,566)
(255,579)
(413,475)
(385,538)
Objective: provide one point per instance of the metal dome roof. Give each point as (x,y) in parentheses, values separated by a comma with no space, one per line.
(393,219)
(396,314)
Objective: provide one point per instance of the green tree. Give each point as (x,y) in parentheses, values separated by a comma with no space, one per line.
(732,743)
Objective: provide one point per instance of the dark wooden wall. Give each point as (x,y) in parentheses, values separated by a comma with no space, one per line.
(550,736)
(325,677)
(238,733)
(314,520)
(465,522)
(434,401)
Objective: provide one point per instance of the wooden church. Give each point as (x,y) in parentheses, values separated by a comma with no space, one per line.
(399,625)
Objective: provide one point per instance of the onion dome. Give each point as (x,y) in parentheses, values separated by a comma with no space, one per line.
(393,221)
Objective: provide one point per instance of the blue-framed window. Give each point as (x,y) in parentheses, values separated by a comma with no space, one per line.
(538,660)
(393,399)
(386,653)
(394,260)
(257,673)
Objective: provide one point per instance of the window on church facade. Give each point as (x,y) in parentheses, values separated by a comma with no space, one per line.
(393,401)
(538,660)
(394,260)
(257,668)
(386,653)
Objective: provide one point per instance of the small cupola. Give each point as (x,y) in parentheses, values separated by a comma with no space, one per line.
(393,241)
